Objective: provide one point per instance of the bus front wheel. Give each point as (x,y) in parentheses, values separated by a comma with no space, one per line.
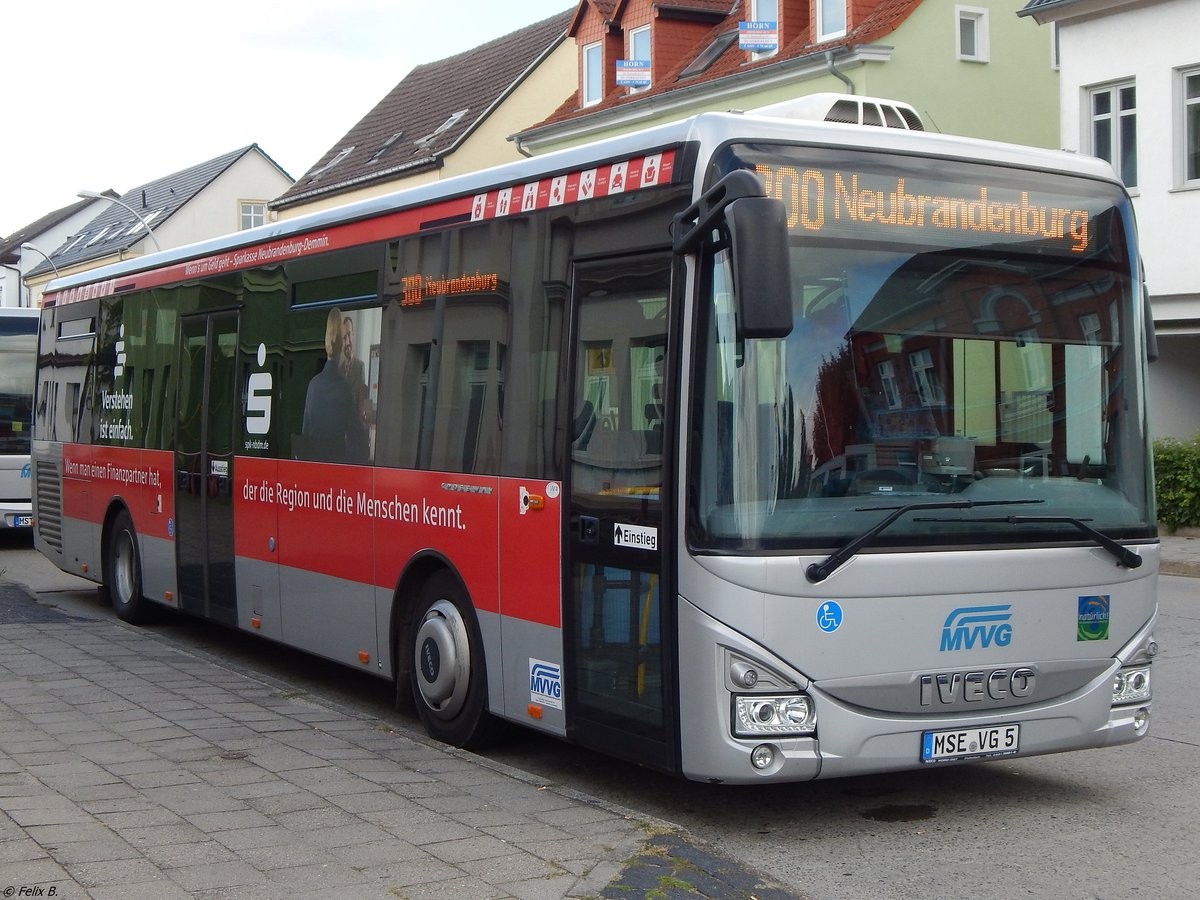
(446,666)
(123,572)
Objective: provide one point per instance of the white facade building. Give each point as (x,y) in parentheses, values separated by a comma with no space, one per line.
(1130,92)
(46,235)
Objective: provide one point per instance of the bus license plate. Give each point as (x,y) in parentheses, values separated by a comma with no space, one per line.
(22,521)
(969,743)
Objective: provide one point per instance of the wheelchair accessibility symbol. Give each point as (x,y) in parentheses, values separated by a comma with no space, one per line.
(829,616)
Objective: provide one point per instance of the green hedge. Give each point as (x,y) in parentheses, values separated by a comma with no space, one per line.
(1177,481)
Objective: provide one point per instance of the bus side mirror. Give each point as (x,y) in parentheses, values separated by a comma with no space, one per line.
(761,270)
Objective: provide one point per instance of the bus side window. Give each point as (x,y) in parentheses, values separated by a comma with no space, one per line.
(446,343)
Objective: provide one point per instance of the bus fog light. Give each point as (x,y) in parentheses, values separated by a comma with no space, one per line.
(758,714)
(762,756)
(1141,720)
(1131,685)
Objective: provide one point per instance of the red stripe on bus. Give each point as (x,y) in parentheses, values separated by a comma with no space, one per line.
(364,525)
(142,479)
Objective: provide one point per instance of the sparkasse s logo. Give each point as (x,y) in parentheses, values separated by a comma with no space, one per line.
(970,626)
(259,388)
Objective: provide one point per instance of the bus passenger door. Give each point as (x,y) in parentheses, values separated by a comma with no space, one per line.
(618,615)
(204,465)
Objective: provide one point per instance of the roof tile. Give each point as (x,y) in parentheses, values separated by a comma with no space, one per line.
(418,121)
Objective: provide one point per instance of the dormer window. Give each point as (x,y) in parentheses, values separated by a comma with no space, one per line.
(831,19)
(74,243)
(639,49)
(765,11)
(424,143)
(342,154)
(387,145)
(100,234)
(141,224)
(591,88)
(710,54)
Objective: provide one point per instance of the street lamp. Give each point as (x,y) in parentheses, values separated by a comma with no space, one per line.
(28,246)
(93,195)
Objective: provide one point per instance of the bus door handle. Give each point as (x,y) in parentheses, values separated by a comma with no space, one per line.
(587,529)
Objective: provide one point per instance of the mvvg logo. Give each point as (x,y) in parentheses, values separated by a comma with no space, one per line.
(545,683)
(984,626)
(259,388)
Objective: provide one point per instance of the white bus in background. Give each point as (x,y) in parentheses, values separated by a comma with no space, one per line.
(18,350)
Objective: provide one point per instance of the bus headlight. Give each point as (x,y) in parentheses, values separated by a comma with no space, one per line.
(758,714)
(1132,685)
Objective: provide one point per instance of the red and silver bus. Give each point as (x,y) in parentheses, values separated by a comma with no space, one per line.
(748,447)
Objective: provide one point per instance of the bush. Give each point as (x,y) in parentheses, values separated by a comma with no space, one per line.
(1177,481)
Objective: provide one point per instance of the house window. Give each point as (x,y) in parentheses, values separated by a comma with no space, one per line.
(253,213)
(639,48)
(1114,128)
(972,35)
(831,19)
(1191,128)
(765,11)
(929,386)
(887,381)
(592,89)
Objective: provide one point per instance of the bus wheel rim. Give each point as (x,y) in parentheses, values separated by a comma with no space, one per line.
(123,563)
(443,657)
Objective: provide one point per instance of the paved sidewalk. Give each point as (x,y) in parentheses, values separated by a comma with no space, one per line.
(130,768)
(1181,553)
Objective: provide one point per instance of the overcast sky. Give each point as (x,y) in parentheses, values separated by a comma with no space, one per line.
(113,95)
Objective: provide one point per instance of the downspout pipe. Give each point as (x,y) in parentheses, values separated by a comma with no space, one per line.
(836,72)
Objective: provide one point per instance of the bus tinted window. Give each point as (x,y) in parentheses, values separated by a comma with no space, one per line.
(332,382)
(447,345)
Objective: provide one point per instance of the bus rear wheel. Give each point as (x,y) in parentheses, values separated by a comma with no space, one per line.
(123,572)
(446,666)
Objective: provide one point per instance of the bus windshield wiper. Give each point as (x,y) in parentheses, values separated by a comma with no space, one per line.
(1124,555)
(820,571)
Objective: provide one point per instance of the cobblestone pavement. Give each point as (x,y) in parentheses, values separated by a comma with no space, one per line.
(130,768)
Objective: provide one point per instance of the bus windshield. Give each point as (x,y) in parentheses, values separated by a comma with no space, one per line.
(960,332)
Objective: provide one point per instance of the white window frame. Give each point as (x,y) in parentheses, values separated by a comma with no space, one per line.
(887,381)
(977,18)
(254,211)
(1115,118)
(757,14)
(591,83)
(639,32)
(925,377)
(825,31)
(1189,129)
